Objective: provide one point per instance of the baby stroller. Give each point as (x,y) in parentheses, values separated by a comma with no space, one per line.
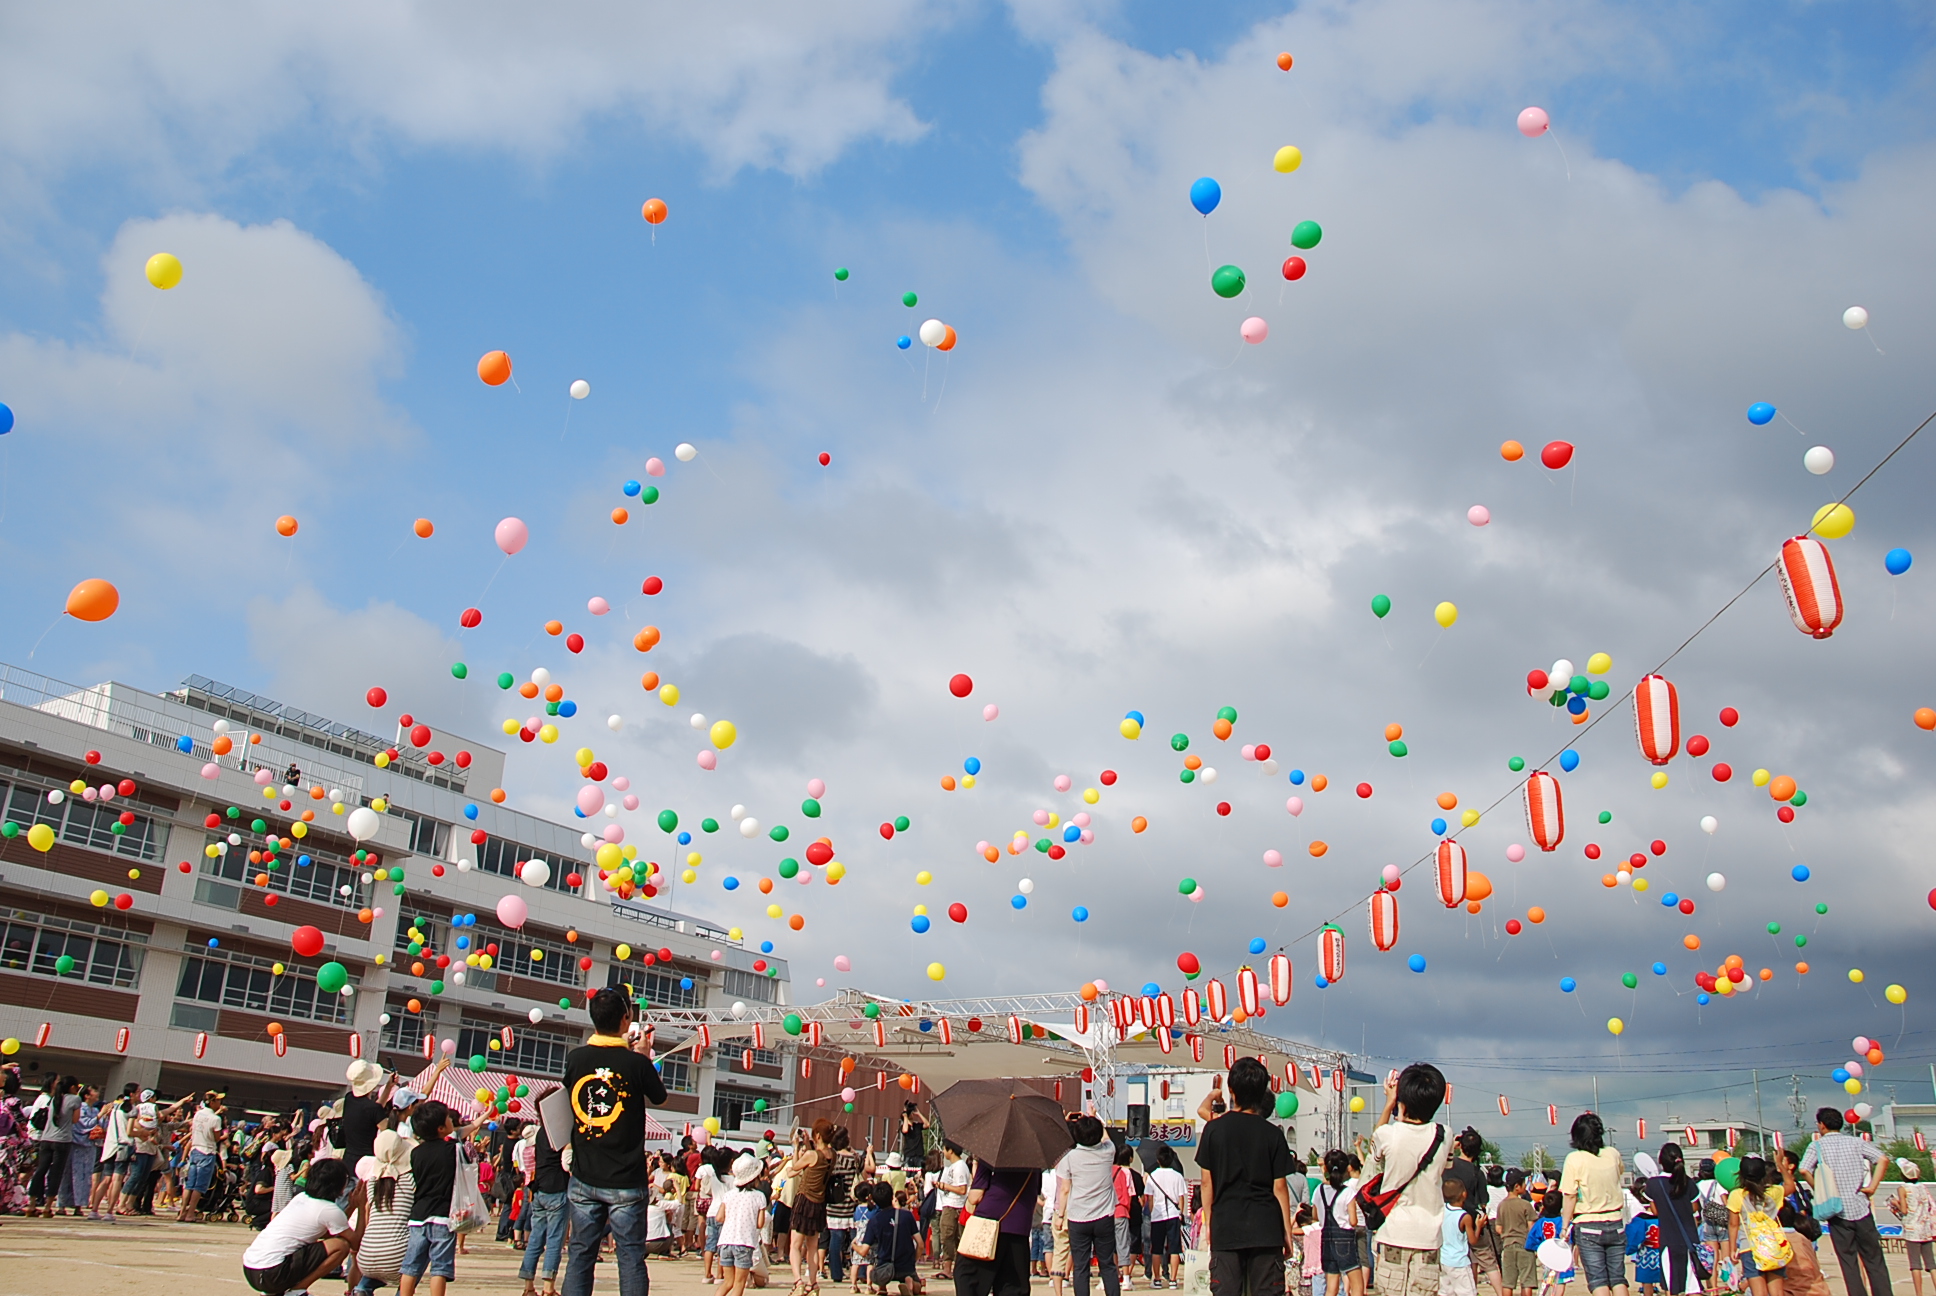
(221,1200)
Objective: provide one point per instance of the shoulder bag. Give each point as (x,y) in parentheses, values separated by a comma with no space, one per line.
(468,1213)
(980,1235)
(1375,1200)
(1828,1202)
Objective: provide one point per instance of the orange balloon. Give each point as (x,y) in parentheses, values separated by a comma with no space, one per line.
(93,600)
(1318,848)
(947,782)
(1512,451)
(527,690)
(497,796)
(554,628)
(1609,880)
(948,339)
(1536,915)
(222,745)
(1781,787)
(316,793)
(1193,761)
(1319,782)
(1393,732)
(414,1005)
(1875,1056)
(1138,824)
(1801,969)
(262,879)
(993,855)
(620,517)
(273,1029)
(494,368)
(285,525)
(1279,899)
(1767,974)
(646,640)
(1692,941)
(1447,800)
(423,528)
(1240,1016)
(365,915)
(1581,718)
(1284,62)
(796,922)
(649,681)
(766,886)
(1088,992)
(254,739)
(907,1082)
(554,692)
(1925,718)
(846,1064)
(1477,886)
(1732,961)
(1473,906)
(654,211)
(1222,729)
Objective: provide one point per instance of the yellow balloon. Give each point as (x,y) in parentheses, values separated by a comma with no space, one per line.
(470,960)
(1288,159)
(1659,779)
(77,787)
(1640,884)
(1357,1102)
(41,838)
(1445,614)
(382,762)
(164,270)
(693,859)
(380,805)
(511,727)
(1091,795)
(670,696)
(277,969)
(724,735)
(712,1124)
(484,1095)
(609,857)
(495,1046)
(486,960)
(9,1046)
(967,780)
(1855,975)
(1761,778)
(1468,818)
(299,829)
(923,878)
(836,871)
(690,875)
(1055,820)
(623,951)
(774,911)
(1833,521)
(537,956)
(340,808)
(1895,994)
(584,757)
(1727,986)
(631,852)
(936,972)
(548,734)
(1615,1025)
(1599,664)
(734,933)
(1852,1086)
(98,899)
(1130,729)
(269,793)
(210,851)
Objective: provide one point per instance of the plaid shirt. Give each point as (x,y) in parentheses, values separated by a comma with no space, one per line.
(1849,1158)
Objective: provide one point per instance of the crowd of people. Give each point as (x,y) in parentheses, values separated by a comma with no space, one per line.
(387,1187)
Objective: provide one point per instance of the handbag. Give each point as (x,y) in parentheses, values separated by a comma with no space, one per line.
(1766,1240)
(1828,1203)
(981,1235)
(1375,1200)
(468,1213)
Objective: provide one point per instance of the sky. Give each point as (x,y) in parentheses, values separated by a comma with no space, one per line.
(1101,500)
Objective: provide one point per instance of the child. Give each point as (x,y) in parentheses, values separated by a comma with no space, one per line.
(863,1210)
(891,1232)
(1643,1242)
(1337,1229)
(741,1213)
(1458,1231)
(1519,1270)
(1755,1238)
(1311,1234)
(1549,1227)
(433,1168)
(309,1238)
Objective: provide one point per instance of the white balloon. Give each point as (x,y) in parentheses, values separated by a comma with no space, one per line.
(1855,317)
(739,813)
(221,848)
(56,797)
(698,721)
(349,992)
(220,726)
(235,839)
(344,890)
(1623,876)
(535,873)
(1819,460)
(749,827)
(363,823)
(933,333)
(588,840)
(1269,766)
(580,389)
(685,452)
(1207,775)
(614,723)
(739,1008)
(1562,671)
(383,1019)
(611,809)
(541,677)
(1709,823)
(1715,882)
(535,1016)
(457,978)
(465,866)
(1026,886)
(1863,1110)
(335,796)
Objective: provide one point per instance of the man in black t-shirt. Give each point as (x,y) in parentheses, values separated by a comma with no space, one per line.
(610,1080)
(1247,1206)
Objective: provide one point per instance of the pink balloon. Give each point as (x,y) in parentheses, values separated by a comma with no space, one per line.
(1255,330)
(990,711)
(263,777)
(842,963)
(631,802)
(1250,751)
(512,535)
(655,467)
(512,911)
(597,606)
(1041,818)
(1390,873)
(615,833)
(449,1047)
(89,794)
(1273,859)
(816,789)
(820,981)
(623,784)
(708,760)
(1854,1068)
(846,1095)
(1102,986)
(107,791)
(980,846)
(1062,783)
(211,770)
(1515,852)
(1533,122)
(1080,819)
(718,955)
(1478,515)
(1088,836)
(1295,805)
(1860,1044)
(591,798)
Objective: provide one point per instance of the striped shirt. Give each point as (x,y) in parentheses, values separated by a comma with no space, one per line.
(1849,1158)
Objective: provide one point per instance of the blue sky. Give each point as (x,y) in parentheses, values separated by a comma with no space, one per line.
(1102,500)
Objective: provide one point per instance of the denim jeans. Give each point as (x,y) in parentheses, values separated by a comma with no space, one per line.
(1097,1238)
(594,1211)
(432,1249)
(81,1159)
(546,1213)
(1603,1252)
(838,1240)
(137,1175)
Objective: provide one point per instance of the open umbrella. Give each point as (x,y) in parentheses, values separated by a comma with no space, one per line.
(1005,1124)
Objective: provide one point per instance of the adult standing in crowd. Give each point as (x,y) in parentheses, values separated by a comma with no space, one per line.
(807,1221)
(914,1138)
(1409,1155)
(204,1155)
(1007,1195)
(1857,1167)
(1592,1202)
(1917,1211)
(1169,1200)
(390,1191)
(51,1118)
(843,1176)
(1246,1206)
(89,1130)
(1086,1180)
(117,1154)
(610,1081)
(951,1196)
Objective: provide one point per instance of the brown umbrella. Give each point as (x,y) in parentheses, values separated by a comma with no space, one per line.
(1004,1124)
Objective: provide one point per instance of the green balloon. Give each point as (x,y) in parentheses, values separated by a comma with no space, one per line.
(1629,980)
(847,1107)
(258,825)
(1286,1105)
(524,1091)
(1801,941)
(478,1062)
(332,977)
(397,889)
(1557,698)
(64,964)
(759,1104)
(562,1002)
(233,812)
(841,274)
(504,679)
(1727,1173)
(901,823)
(1598,690)
(1043,845)
(551,708)
(778,832)
(459,670)
(1821,908)
(650,495)
(1606,816)
(909,299)
(789,867)
(1306,235)
(668,820)
(871,1011)
(1187,886)
(1774,929)
(1799,799)
(1180,742)
(1398,747)
(1380,605)
(1516,764)
(793,1024)
(810,808)
(1227,281)
(1186,775)
(1227,713)
(709,824)
(436,987)
(9,830)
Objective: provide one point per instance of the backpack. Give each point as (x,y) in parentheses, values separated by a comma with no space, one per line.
(1765,1238)
(1714,1207)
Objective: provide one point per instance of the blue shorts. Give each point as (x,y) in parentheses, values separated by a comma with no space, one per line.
(201,1172)
(736,1257)
(432,1250)
(712,1239)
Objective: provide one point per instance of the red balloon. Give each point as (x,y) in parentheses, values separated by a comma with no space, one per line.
(665,956)
(652,585)
(1262,751)
(435,758)
(961,686)
(1056,851)
(469,618)
(1536,681)
(463,760)
(574,880)
(376,697)
(1658,847)
(1730,717)
(1786,814)
(819,853)
(1364,790)
(1593,850)
(596,771)
(125,787)
(759,965)
(887,832)
(825,458)
(1697,745)
(958,911)
(1687,906)
(478,837)
(93,758)
(1223,808)
(420,735)
(1932,899)
(1723,771)
(575,642)
(406,720)
(1637,860)
(1557,454)
(1294,268)
(306,941)
(1187,964)
(1394,884)
(124,901)
(1107,778)
(1512,927)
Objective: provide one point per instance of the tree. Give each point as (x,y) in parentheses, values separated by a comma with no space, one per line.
(1537,1159)
(1488,1152)
(1900,1148)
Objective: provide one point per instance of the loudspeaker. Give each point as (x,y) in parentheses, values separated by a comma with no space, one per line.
(1138,1125)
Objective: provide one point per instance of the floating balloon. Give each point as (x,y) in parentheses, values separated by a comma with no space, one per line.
(1254,330)
(1511,451)
(1305,235)
(580,389)
(286,525)
(654,211)
(1833,521)
(494,368)
(1533,122)
(1820,460)
(1227,281)
(512,911)
(1760,413)
(6,419)
(1294,267)
(1855,318)
(1556,454)
(1205,194)
(1445,614)
(512,535)
(93,600)
(1897,561)
(1478,515)
(1288,159)
(164,270)
(1380,605)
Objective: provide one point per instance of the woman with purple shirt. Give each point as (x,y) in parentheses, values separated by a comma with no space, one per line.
(1008,1197)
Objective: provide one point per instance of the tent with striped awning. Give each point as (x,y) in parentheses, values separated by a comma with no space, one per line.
(458,1087)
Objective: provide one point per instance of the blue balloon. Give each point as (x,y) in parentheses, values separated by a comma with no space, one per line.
(1321,982)
(1669,900)
(904,341)
(1799,873)
(1701,999)
(685,838)
(1297,778)
(1897,561)
(1575,704)
(1839,1074)
(6,420)
(926,1023)
(1137,716)
(1018,902)
(1257,945)
(213,943)
(302,861)
(580,813)
(972,765)
(685,983)
(1569,760)
(730,883)
(568,708)
(1205,194)
(631,488)
(1568,985)
(1416,962)
(1079,913)
(1438,827)
(470,811)
(1660,969)
(1760,412)
(1151,989)
(766,947)
(1072,834)
(184,744)
(463,942)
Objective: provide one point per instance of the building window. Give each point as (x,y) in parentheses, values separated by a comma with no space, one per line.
(302,871)
(428,837)
(658,989)
(679,1074)
(235,980)
(734,1106)
(496,855)
(94,824)
(103,956)
(405,1030)
(748,985)
(734,1059)
(539,1052)
(559,964)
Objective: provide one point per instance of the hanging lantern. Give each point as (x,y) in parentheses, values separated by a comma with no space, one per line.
(1640,1129)
(1281,983)
(1290,1073)
(1657,718)
(806,1068)
(947,1031)
(356,1045)
(429,1047)
(1247,996)
(746,1059)
(880,1033)
(1014,1029)
(1331,952)
(704,1040)
(1196,1048)
(201,1044)
(1338,1078)
(1192,1006)
(1166,1009)
(1544,818)
(1229,1056)
(1163,1040)
(42,1034)
(1451,874)
(759,1035)
(121,1037)
(1384,919)
(1505,1107)
(1808,581)
(1082,1019)
(281,1044)
(1216,1000)
(815,1031)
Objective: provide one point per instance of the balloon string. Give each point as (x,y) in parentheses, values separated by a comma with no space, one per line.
(1872,342)
(568,402)
(494,575)
(1206,246)
(43,635)
(1790,422)
(1562,148)
(946,362)
(924,373)
(514,387)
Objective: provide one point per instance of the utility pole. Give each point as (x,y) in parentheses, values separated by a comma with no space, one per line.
(1761,1137)
(1799,1105)
(1596,1093)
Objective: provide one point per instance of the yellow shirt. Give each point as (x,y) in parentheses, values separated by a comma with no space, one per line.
(1592,1180)
(1741,1204)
